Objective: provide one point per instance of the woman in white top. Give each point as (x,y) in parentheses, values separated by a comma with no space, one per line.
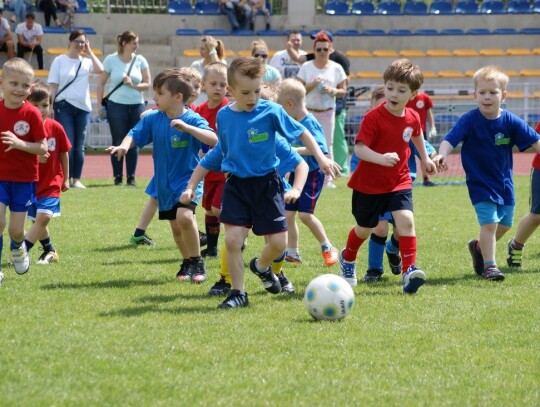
(211,50)
(70,91)
(324,81)
(126,103)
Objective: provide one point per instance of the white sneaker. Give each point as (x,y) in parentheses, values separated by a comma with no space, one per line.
(1,278)
(78,185)
(48,257)
(330,185)
(21,260)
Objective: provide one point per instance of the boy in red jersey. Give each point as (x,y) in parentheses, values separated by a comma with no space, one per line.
(382,182)
(53,177)
(22,139)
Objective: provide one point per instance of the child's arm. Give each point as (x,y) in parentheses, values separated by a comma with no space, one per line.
(444,149)
(189,194)
(327,166)
(123,148)
(203,135)
(424,157)
(15,143)
(536,146)
(431,120)
(64,163)
(301,172)
(303,151)
(367,154)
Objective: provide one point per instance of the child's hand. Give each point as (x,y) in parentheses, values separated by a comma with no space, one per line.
(65,185)
(291,196)
(187,196)
(178,125)
(119,151)
(438,161)
(389,159)
(330,168)
(42,159)
(430,166)
(432,133)
(11,140)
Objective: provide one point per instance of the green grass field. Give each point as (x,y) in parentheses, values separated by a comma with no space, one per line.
(109,325)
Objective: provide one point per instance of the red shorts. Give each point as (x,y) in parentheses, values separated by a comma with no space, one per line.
(213,190)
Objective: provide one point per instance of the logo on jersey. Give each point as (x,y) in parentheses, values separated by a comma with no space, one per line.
(420,104)
(501,139)
(51,143)
(407,134)
(21,128)
(255,137)
(177,142)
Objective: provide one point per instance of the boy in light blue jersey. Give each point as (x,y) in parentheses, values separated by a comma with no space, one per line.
(488,134)
(292,95)
(176,133)
(253,193)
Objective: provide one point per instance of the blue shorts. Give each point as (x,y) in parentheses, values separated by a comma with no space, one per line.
(47,205)
(255,202)
(368,208)
(490,212)
(151,189)
(17,196)
(535,192)
(388,216)
(310,194)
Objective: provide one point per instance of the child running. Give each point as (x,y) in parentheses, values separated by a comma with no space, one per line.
(488,134)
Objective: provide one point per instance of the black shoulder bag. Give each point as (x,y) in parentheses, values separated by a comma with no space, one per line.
(105,99)
(70,82)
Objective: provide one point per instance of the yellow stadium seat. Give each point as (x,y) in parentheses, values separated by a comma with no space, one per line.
(469,73)
(465,53)
(229,53)
(41,73)
(429,74)
(536,94)
(56,51)
(438,53)
(536,51)
(411,53)
(368,75)
(515,95)
(193,53)
(492,52)
(451,74)
(518,52)
(244,53)
(530,72)
(386,53)
(511,72)
(357,53)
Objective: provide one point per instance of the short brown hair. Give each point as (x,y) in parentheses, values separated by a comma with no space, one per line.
(491,72)
(404,71)
(220,47)
(17,65)
(75,34)
(124,38)
(245,66)
(40,91)
(215,67)
(377,94)
(175,82)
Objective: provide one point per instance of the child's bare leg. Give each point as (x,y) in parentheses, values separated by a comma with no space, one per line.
(39,228)
(187,226)
(16,226)
(501,230)
(234,237)
(147,213)
(527,225)
(314,225)
(275,245)
(3,210)
(293,229)
(487,242)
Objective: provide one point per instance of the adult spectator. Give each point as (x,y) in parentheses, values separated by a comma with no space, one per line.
(237,11)
(49,10)
(211,50)
(70,91)
(130,78)
(29,35)
(281,59)
(259,49)
(6,37)
(340,146)
(19,11)
(325,80)
(256,6)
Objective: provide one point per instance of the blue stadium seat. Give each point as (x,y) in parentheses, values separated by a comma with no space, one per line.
(374,32)
(389,8)
(478,31)
(83,7)
(415,8)
(466,7)
(519,7)
(536,6)
(87,30)
(337,8)
(347,33)
(426,31)
(452,31)
(241,33)
(54,30)
(188,32)
(504,31)
(217,32)
(180,7)
(440,7)
(270,33)
(492,7)
(207,8)
(526,30)
(363,7)
(401,32)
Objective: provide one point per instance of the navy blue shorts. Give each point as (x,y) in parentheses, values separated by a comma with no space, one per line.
(535,192)
(170,214)
(310,194)
(367,208)
(255,202)
(17,196)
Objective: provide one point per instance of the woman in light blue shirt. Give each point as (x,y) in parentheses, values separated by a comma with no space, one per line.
(126,103)
(271,76)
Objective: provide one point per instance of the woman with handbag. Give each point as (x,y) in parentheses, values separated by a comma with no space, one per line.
(70,91)
(124,102)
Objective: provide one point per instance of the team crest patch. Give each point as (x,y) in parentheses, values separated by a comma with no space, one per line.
(177,142)
(501,140)
(407,134)
(255,137)
(51,144)
(21,128)
(420,104)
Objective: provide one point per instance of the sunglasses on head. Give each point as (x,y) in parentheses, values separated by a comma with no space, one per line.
(260,55)
(321,49)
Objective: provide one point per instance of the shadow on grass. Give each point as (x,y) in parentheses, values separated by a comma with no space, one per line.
(137,311)
(104,284)
(517,271)
(170,298)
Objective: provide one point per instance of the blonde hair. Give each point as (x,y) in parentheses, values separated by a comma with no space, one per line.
(192,73)
(269,92)
(249,67)
(17,65)
(220,47)
(293,89)
(258,44)
(404,71)
(215,67)
(376,94)
(489,73)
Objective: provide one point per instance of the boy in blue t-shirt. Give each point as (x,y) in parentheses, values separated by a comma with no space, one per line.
(488,134)
(253,193)
(176,133)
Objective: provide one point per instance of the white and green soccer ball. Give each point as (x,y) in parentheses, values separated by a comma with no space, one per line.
(329,297)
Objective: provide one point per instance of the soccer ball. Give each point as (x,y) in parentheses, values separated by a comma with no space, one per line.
(329,297)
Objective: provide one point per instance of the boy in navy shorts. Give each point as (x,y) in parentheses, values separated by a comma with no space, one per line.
(22,137)
(176,133)
(382,183)
(253,193)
